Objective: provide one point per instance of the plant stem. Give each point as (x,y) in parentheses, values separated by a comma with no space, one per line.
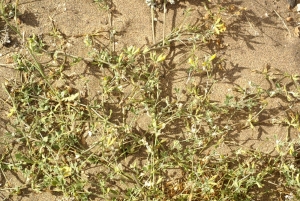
(153,29)
(164,25)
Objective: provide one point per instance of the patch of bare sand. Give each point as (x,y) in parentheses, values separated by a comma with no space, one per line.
(259,36)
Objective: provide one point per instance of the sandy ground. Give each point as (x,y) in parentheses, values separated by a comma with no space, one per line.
(258,36)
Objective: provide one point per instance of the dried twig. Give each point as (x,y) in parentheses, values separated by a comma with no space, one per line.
(283,23)
(152,18)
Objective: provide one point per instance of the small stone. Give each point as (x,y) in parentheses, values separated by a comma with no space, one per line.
(289,19)
(298,7)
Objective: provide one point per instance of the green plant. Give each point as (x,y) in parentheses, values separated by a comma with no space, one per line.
(146,140)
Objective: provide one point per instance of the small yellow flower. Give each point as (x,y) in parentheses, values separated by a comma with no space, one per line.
(66,171)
